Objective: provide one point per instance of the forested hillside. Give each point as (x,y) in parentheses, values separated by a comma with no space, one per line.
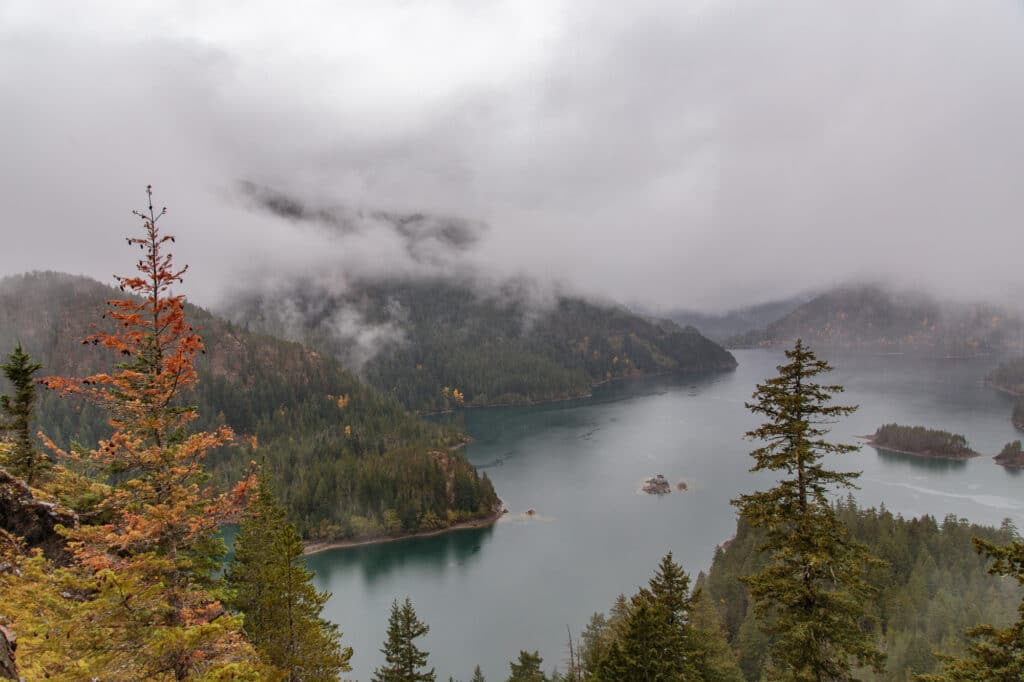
(934,586)
(1008,376)
(874,319)
(346,459)
(493,348)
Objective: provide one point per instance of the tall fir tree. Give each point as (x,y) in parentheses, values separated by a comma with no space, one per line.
(271,586)
(644,649)
(994,654)
(477,675)
(405,662)
(811,594)
(654,635)
(24,459)
(670,588)
(148,565)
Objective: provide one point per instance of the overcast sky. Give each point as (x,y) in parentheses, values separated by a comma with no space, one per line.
(681,154)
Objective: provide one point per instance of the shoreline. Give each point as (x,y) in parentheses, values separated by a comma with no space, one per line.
(582,396)
(310,547)
(1003,389)
(925,455)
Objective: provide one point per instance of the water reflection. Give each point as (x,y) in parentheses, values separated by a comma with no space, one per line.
(457,551)
(934,464)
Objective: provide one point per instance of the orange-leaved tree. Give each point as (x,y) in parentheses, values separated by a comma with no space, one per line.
(151,551)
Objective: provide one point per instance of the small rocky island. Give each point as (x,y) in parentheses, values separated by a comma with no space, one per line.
(1011,456)
(921,442)
(658,485)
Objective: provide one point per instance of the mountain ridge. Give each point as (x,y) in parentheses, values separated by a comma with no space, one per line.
(493,347)
(873,318)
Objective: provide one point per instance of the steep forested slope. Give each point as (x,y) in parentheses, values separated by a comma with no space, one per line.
(493,347)
(347,459)
(934,587)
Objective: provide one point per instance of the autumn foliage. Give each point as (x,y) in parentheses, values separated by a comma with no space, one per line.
(160,503)
(145,603)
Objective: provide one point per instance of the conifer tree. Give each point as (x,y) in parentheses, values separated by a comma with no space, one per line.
(670,588)
(654,636)
(994,654)
(710,654)
(594,642)
(404,660)
(24,459)
(811,594)
(477,675)
(271,587)
(148,565)
(643,652)
(527,668)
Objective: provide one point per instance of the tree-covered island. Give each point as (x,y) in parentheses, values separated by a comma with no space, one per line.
(921,442)
(1012,455)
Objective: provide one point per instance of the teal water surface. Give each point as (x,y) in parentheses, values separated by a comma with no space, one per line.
(488,593)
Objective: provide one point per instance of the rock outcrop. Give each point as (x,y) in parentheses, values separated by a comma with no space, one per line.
(658,485)
(33,520)
(8,643)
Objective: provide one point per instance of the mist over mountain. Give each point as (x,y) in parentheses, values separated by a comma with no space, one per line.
(721,326)
(432,242)
(421,339)
(877,318)
(698,157)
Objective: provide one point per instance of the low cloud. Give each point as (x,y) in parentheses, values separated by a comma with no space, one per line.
(695,155)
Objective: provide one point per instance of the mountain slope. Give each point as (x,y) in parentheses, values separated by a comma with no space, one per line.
(493,347)
(347,459)
(873,319)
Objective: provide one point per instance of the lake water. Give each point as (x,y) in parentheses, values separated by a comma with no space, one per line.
(488,593)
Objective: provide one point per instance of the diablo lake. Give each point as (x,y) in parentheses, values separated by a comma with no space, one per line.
(487,593)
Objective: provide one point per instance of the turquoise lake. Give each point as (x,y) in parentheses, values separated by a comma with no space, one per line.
(488,593)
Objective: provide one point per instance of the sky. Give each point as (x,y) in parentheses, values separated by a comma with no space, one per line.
(704,154)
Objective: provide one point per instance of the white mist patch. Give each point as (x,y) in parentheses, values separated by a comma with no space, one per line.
(362,339)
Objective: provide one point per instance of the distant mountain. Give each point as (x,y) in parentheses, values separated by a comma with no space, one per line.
(342,454)
(415,339)
(874,319)
(720,327)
